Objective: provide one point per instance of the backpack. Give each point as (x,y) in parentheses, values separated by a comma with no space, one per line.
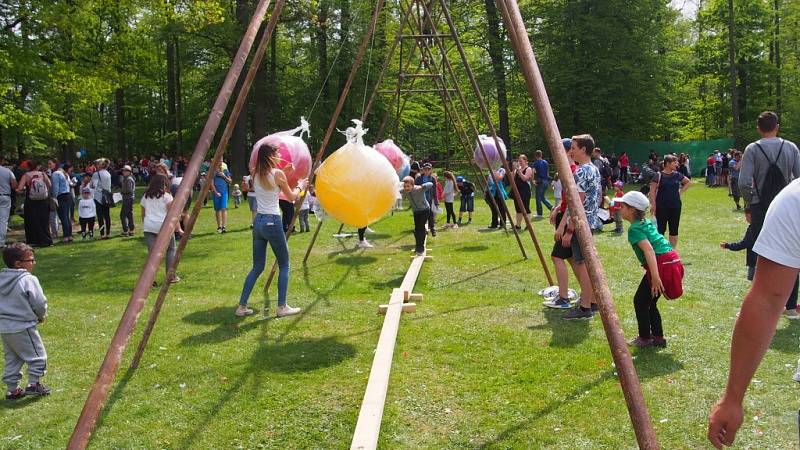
(774,181)
(37,189)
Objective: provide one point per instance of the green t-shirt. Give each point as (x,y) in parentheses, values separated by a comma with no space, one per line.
(645,230)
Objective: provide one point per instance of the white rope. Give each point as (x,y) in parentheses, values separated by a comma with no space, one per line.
(369,66)
(330,70)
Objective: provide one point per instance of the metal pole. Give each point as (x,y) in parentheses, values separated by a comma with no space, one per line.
(244,91)
(629,381)
(488,121)
(331,126)
(108,370)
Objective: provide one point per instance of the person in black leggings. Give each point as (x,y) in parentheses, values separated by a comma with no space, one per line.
(522,174)
(665,198)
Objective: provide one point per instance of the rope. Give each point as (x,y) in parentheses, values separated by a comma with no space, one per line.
(369,66)
(330,70)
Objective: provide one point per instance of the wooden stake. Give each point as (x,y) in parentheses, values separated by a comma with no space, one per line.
(629,381)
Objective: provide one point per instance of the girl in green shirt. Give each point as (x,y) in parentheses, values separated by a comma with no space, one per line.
(663,269)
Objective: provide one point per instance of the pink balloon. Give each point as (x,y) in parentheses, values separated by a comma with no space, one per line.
(291,150)
(392,152)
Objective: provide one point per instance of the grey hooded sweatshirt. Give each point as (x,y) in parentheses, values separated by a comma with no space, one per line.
(22,301)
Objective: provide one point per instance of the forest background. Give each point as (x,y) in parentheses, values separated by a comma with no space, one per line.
(124,78)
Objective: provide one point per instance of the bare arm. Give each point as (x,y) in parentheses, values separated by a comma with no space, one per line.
(684,185)
(22,182)
(291,194)
(656,286)
(526,173)
(752,334)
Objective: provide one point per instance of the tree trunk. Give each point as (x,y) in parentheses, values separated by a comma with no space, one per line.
(732,63)
(119,110)
(172,123)
(238,144)
(498,67)
(178,98)
(777,48)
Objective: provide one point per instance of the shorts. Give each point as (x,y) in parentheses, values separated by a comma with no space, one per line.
(467,204)
(577,253)
(559,251)
(668,216)
(220,202)
(251,201)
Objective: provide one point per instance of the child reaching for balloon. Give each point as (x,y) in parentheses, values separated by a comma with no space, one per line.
(421,209)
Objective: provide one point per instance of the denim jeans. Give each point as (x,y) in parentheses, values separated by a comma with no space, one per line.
(126,215)
(150,240)
(541,196)
(268,229)
(65,203)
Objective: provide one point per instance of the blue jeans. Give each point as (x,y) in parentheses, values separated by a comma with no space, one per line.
(541,190)
(268,229)
(65,202)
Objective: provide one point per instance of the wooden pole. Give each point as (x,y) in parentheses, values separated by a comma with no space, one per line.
(488,120)
(629,381)
(329,132)
(241,99)
(108,369)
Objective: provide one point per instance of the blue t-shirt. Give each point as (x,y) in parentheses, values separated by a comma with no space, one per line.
(587,177)
(429,193)
(219,182)
(542,169)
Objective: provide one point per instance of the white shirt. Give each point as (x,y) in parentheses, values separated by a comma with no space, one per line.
(266,198)
(779,240)
(449,191)
(101,181)
(86,208)
(155,211)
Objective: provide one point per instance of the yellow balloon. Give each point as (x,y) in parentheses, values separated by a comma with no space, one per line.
(356,185)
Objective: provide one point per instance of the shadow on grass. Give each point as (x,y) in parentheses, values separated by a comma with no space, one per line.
(786,338)
(303,355)
(357,260)
(21,403)
(387,284)
(649,363)
(472,248)
(474,276)
(566,334)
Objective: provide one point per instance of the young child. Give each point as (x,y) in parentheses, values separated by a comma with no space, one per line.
(304,207)
(237,196)
(747,243)
(421,209)
(449,191)
(467,191)
(664,271)
(87,213)
(22,307)
(614,208)
(557,189)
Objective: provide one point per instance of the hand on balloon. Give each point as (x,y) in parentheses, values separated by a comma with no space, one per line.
(302,184)
(288,168)
(218,194)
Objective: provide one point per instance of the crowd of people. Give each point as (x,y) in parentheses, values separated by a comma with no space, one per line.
(762,176)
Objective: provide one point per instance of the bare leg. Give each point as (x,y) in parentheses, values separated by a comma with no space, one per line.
(582,274)
(562,276)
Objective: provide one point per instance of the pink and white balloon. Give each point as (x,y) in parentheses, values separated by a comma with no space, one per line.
(291,150)
(494,155)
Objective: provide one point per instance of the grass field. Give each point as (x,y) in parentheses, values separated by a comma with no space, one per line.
(481,364)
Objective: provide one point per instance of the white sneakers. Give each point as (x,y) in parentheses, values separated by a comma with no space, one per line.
(287,310)
(791,314)
(242,311)
(364,244)
(283,311)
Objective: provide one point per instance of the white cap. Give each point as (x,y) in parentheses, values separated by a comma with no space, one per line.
(634,199)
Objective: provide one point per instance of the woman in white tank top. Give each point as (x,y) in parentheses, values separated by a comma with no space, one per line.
(267,181)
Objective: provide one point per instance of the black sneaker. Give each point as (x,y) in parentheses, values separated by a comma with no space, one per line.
(224,230)
(15,394)
(37,389)
(579,314)
(433,232)
(659,342)
(595,307)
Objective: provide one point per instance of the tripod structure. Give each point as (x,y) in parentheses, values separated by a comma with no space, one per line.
(427,40)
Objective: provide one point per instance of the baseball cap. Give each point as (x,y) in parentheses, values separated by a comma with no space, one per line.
(126,167)
(427,166)
(635,200)
(567,143)
(459,179)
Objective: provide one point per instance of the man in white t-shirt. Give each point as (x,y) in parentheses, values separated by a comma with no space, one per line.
(778,247)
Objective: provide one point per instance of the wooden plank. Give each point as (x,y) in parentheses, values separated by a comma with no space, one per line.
(407,308)
(414,298)
(369,417)
(368,426)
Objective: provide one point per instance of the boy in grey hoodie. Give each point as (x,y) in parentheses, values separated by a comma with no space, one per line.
(22,306)
(421,209)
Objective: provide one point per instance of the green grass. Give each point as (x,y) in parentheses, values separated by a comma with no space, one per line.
(481,364)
